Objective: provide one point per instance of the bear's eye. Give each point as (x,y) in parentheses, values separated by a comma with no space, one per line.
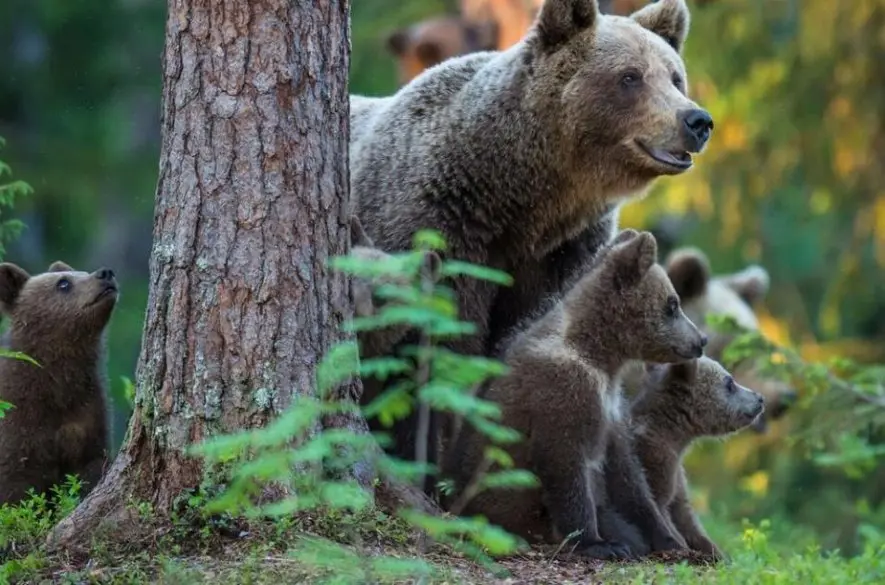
(672,306)
(677,81)
(64,285)
(631,79)
(729,385)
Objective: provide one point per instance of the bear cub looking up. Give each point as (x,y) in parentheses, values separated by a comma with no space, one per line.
(58,423)
(681,403)
(562,394)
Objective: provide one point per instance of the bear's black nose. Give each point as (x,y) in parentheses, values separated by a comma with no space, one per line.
(698,125)
(105,274)
(704,340)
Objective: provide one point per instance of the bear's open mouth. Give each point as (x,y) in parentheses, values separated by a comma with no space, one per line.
(106,292)
(677,159)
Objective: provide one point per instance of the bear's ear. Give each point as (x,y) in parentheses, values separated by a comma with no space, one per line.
(561,20)
(751,283)
(632,259)
(689,271)
(398,41)
(624,235)
(429,52)
(481,36)
(12,279)
(685,372)
(358,236)
(59,266)
(669,19)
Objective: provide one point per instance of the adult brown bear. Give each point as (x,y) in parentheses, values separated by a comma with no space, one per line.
(521,158)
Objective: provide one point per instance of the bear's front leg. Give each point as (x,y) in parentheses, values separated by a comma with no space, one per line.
(629,492)
(568,496)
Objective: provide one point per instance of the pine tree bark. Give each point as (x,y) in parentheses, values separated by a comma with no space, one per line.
(251,202)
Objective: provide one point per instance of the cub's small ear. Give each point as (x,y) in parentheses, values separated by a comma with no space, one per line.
(561,20)
(686,372)
(669,19)
(12,279)
(751,283)
(398,41)
(624,236)
(634,258)
(59,266)
(689,271)
(358,235)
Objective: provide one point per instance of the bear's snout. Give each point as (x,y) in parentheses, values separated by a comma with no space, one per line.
(105,274)
(697,127)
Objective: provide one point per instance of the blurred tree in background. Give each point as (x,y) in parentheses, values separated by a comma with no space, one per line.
(792,179)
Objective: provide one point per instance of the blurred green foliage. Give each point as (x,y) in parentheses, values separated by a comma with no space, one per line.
(792,179)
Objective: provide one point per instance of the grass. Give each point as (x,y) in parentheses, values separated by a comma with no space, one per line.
(194,548)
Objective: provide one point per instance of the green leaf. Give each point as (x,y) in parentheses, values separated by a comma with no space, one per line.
(392,405)
(458,268)
(514,478)
(427,239)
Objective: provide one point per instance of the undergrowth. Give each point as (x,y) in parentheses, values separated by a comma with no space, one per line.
(280,503)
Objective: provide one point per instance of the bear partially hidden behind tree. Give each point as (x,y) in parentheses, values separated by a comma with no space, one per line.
(58,423)
(563,395)
(522,158)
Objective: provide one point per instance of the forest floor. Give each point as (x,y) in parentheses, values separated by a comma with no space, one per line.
(258,564)
(307,550)
(191,549)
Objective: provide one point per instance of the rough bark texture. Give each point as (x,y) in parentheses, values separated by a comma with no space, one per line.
(250,204)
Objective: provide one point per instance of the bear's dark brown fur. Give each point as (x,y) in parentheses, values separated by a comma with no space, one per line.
(58,423)
(682,403)
(521,158)
(562,394)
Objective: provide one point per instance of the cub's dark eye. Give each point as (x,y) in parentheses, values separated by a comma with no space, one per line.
(730,385)
(672,306)
(64,285)
(631,79)
(677,81)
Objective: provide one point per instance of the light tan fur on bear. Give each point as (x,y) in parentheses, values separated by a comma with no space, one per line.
(682,403)
(521,158)
(432,41)
(562,394)
(58,423)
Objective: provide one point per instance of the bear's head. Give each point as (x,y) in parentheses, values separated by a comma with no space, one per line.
(628,298)
(61,307)
(732,295)
(619,90)
(704,398)
(430,42)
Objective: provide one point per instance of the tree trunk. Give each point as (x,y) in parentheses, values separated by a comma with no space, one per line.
(251,202)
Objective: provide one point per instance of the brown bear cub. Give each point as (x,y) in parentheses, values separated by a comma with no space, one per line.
(58,423)
(562,394)
(681,403)
(733,295)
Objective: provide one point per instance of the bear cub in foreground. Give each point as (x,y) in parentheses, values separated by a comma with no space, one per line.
(681,403)
(562,394)
(58,422)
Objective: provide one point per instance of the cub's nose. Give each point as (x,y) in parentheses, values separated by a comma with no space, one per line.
(704,340)
(698,126)
(105,274)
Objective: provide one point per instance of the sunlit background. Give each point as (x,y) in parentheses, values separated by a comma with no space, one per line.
(793,179)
